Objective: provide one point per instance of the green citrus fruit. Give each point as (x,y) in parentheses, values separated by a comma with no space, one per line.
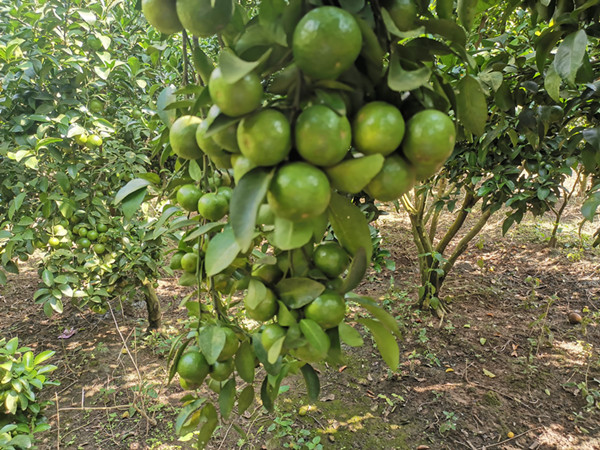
(299,191)
(270,334)
(403,13)
(182,137)
(188,196)
(54,242)
(189,262)
(162,15)
(94,140)
(331,259)
(211,148)
(221,370)
(226,192)
(227,138)
(212,206)
(84,243)
(265,215)
(136,113)
(235,99)
(424,171)
(192,367)
(268,273)
(175,263)
(378,128)
(102,228)
(99,248)
(82,231)
(231,344)
(335,284)
(96,106)
(265,310)
(328,309)
(430,138)
(264,137)
(396,178)
(81,139)
(241,166)
(202,19)
(326,42)
(352,175)
(322,136)
(92,235)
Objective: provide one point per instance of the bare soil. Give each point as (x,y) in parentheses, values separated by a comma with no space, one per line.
(505,368)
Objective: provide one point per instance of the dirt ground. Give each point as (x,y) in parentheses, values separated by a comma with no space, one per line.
(505,369)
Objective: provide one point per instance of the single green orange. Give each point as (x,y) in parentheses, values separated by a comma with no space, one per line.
(81,139)
(403,13)
(192,367)
(430,138)
(270,334)
(182,137)
(162,15)
(231,344)
(331,259)
(268,273)
(94,140)
(378,127)
(241,166)
(221,370)
(226,192)
(92,235)
(265,310)
(54,242)
(424,171)
(264,138)
(188,196)
(328,309)
(322,136)
(326,42)
(84,243)
(189,262)
(201,18)
(227,138)
(175,263)
(265,215)
(212,206)
(102,228)
(396,178)
(238,98)
(214,151)
(82,231)
(299,191)
(99,248)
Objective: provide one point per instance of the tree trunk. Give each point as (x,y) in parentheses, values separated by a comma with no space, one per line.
(153,307)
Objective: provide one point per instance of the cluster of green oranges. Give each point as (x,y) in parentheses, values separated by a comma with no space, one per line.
(85,236)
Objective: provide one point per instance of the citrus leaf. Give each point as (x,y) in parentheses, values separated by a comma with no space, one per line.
(130,188)
(386,343)
(401,80)
(349,335)
(315,335)
(244,362)
(471,105)
(267,395)
(208,423)
(275,350)
(284,317)
(569,55)
(221,251)
(592,137)
(288,235)
(263,357)
(227,398)
(356,271)
(165,98)
(257,292)
(384,317)
(189,417)
(246,399)
(188,279)
(349,225)
(132,203)
(297,292)
(313,385)
(247,198)
(211,226)
(543,45)
(212,340)
(47,278)
(234,68)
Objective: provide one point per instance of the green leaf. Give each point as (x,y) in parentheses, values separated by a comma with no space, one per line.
(211,226)
(589,207)
(208,423)
(47,277)
(222,250)
(569,55)
(227,398)
(275,350)
(212,340)
(284,316)
(11,402)
(257,292)
(288,235)
(234,68)
(471,105)
(263,357)
(384,317)
(130,188)
(552,84)
(296,292)
(246,399)
(165,98)
(356,271)
(267,395)
(544,44)
(386,343)
(188,279)
(132,203)
(203,64)
(401,80)
(592,137)
(315,335)
(349,335)
(245,202)
(244,362)
(350,225)
(195,171)
(313,385)
(189,417)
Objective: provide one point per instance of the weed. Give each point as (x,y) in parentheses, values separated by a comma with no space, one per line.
(449,423)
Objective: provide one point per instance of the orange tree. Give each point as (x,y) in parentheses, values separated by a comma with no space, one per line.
(70,136)
(311,106)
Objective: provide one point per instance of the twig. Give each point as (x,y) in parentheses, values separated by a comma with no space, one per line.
(509,439)
(57,422)
(225,436)
(125,343)
(95,408)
